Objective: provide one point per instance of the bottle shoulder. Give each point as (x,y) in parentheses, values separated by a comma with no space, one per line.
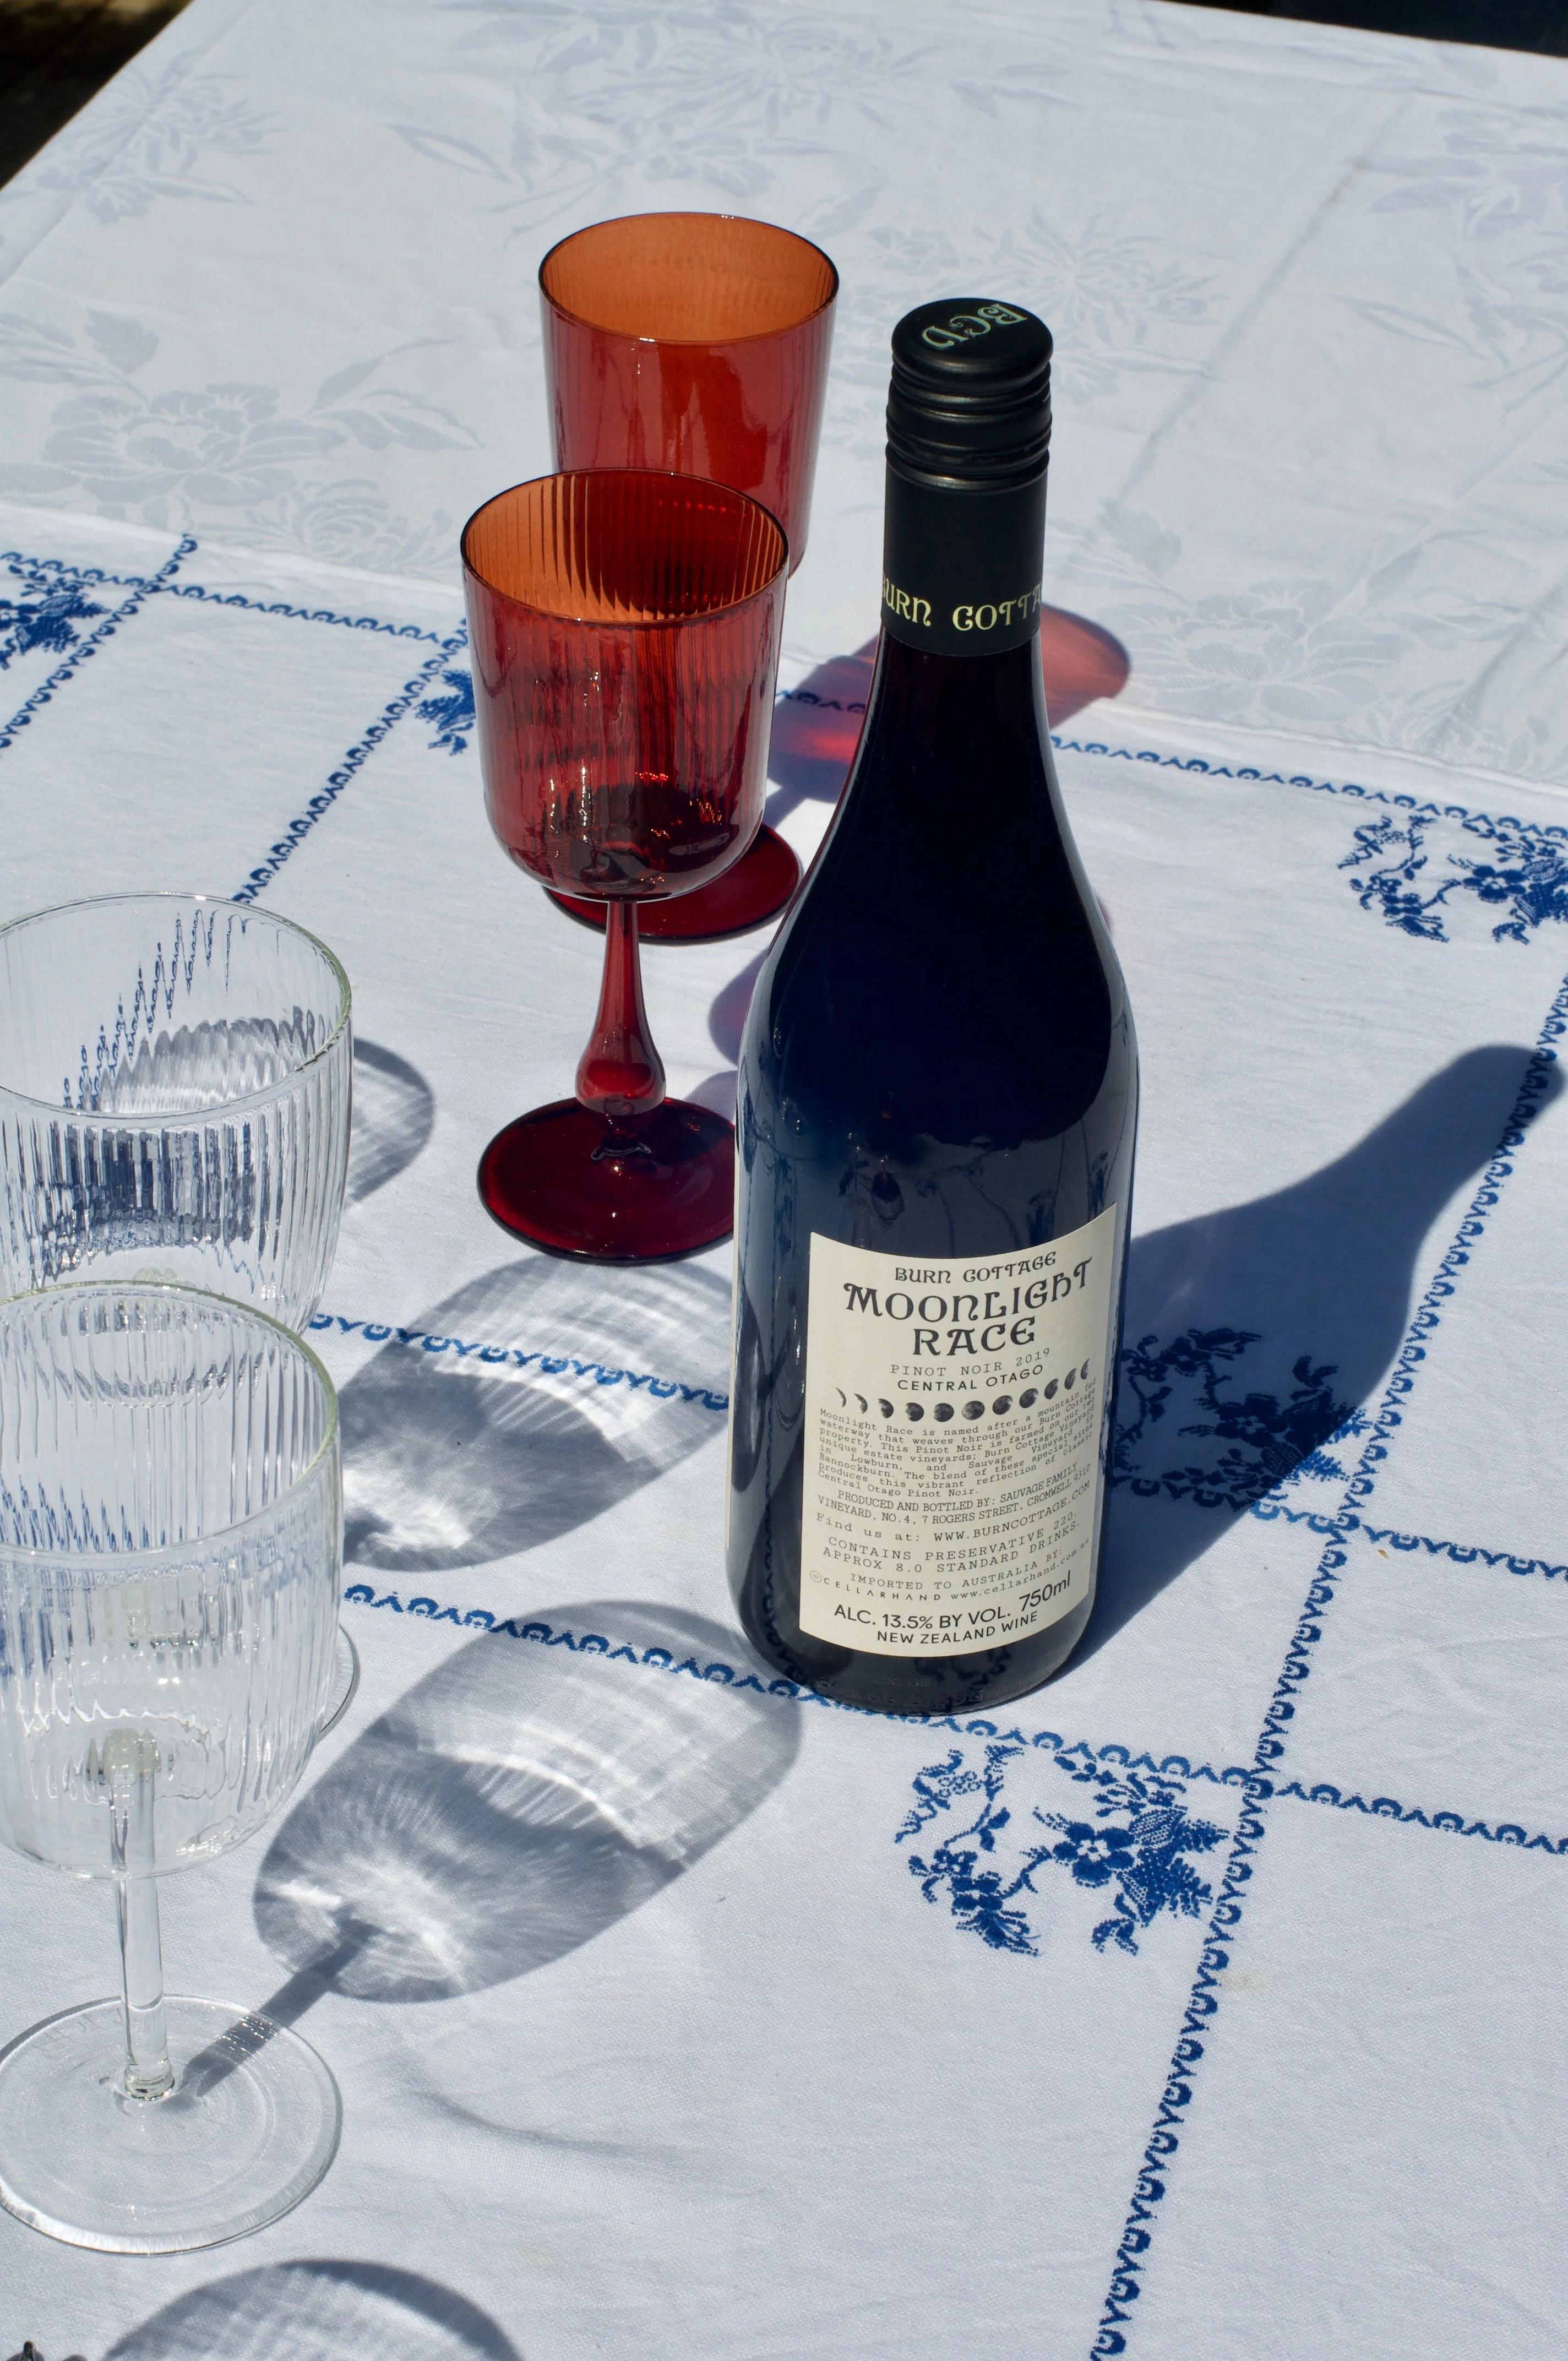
(1009,1018)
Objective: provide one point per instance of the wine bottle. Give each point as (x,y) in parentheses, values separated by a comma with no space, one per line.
(937,1101)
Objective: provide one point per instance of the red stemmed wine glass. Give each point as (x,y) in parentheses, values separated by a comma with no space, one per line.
(697,342)
(625,629)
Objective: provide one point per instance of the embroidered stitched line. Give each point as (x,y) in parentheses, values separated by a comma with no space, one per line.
(20,561)
(1388,1807)
(353,762)
(667,1389)
(550,1364)
(1203,2000)
(594,1644)
(1202,766)
(46,691)
(200,590)
(1113,1755)
(1313,1517)
(1461,1554)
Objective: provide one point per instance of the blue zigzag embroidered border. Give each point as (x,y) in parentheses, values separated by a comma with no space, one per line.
(1323,1792)
(199,591)
(552,1365)
(356,755)
(1198,766)
(1201,766)
(1261,1786)
(1268,1510)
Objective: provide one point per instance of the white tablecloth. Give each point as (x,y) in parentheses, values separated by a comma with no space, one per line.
(1205,2005)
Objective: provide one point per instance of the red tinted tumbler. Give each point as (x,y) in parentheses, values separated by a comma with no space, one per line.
(625,628)
(697,342)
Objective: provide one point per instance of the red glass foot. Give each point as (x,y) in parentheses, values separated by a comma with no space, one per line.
(755,890)
(640,1188)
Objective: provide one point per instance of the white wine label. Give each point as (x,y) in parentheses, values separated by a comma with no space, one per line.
(953,1412)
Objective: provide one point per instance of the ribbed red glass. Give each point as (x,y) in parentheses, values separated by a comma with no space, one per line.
(625,631)
(697,342)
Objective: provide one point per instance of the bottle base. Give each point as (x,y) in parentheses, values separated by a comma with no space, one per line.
(926,1687)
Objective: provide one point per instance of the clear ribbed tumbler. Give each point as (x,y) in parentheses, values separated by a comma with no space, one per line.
(174,1099)
(170,1548)
(175,1085)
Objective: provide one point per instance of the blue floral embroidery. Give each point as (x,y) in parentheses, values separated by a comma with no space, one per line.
(453,714)
(52,601)
(1267,1440)
(1527,878)
(1137,1840)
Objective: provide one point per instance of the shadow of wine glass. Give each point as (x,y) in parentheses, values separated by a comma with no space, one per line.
(817,724)
(450,1459)
(517,1802)
(394,1114)
(318,2311)
(727,1017)
(1256,1335)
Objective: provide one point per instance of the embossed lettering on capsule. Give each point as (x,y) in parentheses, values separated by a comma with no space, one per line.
(964,326)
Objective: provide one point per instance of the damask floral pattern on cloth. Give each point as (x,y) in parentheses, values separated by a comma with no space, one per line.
(469,136)
(1043,2030)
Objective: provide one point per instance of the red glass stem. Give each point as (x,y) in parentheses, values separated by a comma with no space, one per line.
(620,1074)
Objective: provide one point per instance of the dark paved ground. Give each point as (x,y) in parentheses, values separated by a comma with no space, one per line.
(1503,24)
(55,53)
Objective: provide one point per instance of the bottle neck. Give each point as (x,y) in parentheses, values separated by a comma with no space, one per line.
(961,565)
(943,700)
(937,729)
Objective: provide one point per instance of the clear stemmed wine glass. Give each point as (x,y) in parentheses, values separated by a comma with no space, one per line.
(625,628)
(171,1546)
(175,1085)
(697,342)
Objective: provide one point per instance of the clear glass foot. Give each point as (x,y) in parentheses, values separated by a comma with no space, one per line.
(345,1681)
(248,2129)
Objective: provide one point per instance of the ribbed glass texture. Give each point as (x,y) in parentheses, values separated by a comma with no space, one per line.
(170,1547)
(174,1099)
(625,627)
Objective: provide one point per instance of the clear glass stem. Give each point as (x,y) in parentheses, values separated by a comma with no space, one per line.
(130,1768)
